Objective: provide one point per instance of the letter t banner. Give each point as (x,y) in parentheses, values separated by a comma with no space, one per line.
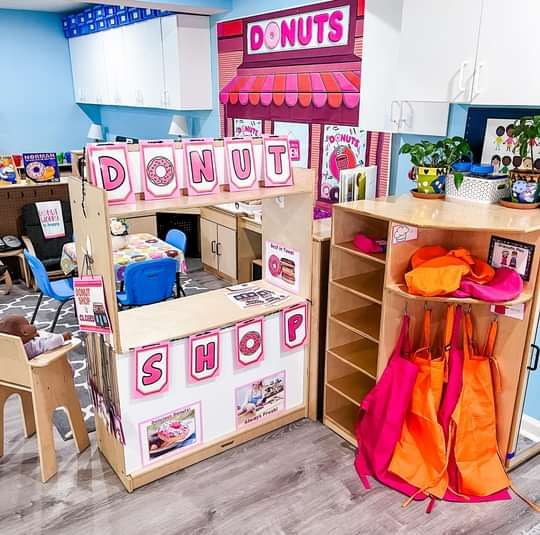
(294,327)
(277,168)
(151,370)
(203,356)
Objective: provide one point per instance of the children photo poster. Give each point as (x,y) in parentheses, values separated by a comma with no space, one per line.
(512,254)
(248,127)
(260,399)
(249,342)
(110,170)
(298,134)
(282,266)
(499,147)
(151,370)
(171,434)
(159,177)
(343,147)
(200,167)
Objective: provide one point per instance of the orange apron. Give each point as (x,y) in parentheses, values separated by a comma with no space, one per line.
(479,466)
(420,454)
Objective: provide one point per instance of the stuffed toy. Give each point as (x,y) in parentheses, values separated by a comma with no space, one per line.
(34,342)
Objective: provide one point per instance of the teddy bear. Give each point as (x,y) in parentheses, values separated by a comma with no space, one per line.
(35,343)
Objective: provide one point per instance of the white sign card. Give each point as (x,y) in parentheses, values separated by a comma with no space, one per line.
(110,170)
(248,127)
(402,233)
(90,304)
(240,166)
(277,168)
(151,370)
(200,167)
(282,266)
(158,167)
(51,219)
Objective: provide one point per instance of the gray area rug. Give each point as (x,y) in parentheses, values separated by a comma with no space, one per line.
(23,301)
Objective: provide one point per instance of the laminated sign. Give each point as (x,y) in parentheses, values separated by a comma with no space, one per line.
(90,305)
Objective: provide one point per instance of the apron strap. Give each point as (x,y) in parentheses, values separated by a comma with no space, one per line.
(491,337)
(427,328)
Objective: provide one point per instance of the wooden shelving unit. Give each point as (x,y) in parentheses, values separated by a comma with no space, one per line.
(367,299)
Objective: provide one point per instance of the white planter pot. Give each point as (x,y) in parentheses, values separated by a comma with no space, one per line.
(119,242)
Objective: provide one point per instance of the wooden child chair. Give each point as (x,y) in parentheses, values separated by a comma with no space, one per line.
(44,384)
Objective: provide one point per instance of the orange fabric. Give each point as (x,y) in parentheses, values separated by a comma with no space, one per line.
(427,253)
(420,455)
(433,281)
(481,472)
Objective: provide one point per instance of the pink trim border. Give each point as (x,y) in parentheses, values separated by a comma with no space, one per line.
(187,174)
(284,346)
(228,142)
(268,183)
(137,394)
(238,364)
(148,195)
(100,147)
(195,337)
(200,442)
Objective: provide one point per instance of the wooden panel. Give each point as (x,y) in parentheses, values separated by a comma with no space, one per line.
(208,243)
(226,251)
(346,225)
(220,217)
(15,369)
(360,355)
(341,415)
(352,250)
(145,224)
(249,248)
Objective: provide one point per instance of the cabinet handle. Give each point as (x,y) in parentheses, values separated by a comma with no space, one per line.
(461,81)
(534,359)
(213,246)
(477,89)
(392,119)
(218,248)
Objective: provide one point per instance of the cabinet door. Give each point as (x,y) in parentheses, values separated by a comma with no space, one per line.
(120,91)
(427,118)
(79,50)
(209,238)
(144,64)
(171,62)
(507,54)
(227,252)
(438,49)
(98,87)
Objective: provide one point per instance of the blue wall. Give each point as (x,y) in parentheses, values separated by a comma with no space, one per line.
(37,109)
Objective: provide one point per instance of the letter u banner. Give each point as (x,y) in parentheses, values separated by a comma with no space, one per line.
(203,362)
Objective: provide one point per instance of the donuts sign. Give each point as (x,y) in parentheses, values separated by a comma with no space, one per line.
(322,28)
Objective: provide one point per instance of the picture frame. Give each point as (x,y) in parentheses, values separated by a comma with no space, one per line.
(504,252)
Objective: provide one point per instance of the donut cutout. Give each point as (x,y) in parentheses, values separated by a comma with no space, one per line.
(160,171)
(250,343)
(35,170)
(274,265)
(271,35)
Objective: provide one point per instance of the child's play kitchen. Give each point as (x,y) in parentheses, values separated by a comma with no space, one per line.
(272,250)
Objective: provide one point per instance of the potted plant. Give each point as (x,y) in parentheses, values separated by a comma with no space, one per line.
(432,161)
(119,232)
(525,179)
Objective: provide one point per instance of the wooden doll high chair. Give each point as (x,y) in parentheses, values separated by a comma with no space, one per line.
(44,384)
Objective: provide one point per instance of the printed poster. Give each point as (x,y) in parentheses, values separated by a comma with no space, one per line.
(171,434)
(249,295)
(247,127)
(499,145)
(51,219)
(260,399)
(282,266)
(90,305)
(41,166)
(343,147)
(298,134)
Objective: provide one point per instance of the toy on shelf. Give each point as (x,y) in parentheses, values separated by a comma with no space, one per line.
(8,170)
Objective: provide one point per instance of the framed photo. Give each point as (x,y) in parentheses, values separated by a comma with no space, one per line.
(512,254)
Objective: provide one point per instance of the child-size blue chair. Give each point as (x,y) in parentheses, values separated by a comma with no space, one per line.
(177,239)
(148,282)
(60,290)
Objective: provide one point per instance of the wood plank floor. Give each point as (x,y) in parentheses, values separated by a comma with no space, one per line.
(297,480)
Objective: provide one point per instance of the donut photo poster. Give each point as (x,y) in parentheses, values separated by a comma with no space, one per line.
(342,147)
(282,266)
(159,176)
(249,343)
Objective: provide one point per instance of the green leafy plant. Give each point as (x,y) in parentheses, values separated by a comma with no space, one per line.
(526,132)
(442,153)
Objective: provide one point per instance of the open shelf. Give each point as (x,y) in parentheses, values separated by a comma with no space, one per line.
(368,285)
(361,355)
(364,321)
(352,387)
(401,290)
(351,249)
(343,421)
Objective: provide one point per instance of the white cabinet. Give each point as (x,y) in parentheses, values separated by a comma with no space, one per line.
(507,54)
(88,69)
(186,60)
(158,63)
(437,49)
(381,109)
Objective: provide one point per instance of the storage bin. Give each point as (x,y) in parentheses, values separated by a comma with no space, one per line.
(65,23)
(123,18)
(134,14)
(101,24)
(84,29)
(72,20)
(111,21)
(74,32)
(148,13)
(483,190)
(110,10)
(99,12)
(88,15)
(81,18)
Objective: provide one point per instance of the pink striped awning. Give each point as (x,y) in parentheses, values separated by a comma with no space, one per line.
(333,89)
